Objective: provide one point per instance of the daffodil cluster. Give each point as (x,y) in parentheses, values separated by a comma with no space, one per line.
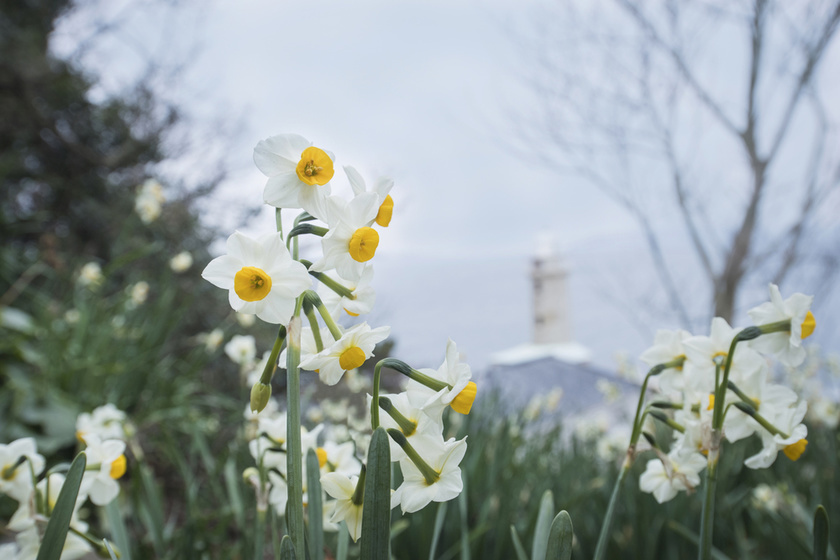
(103,434)
(265,276)
(720,387)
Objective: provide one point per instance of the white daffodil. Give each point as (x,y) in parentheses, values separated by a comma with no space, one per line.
(106,464)
(665,477)
(211,340)
(242,350)
(768,399)
(181,262)
(343,489)
(349,352)
(18,461)
(298,173)
(459,393)
(338,458)
(350,242)
(787,346)
(416,492)
(791,440)
(667,347)
(107,422)
(702,353)
(382,187)
(260,275)
(363,295)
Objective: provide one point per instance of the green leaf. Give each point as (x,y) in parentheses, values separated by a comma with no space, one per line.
(376,514)
(540,544)
(690,535)
(118,530)
(821,526)
(517,544)
(560,538)
(287,549)
(439,518)
(59,523)
(315,508)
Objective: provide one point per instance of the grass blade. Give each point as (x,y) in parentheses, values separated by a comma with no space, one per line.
(118,530)
(540,544)
(821,526)
(315,507)
(560,538)
(376,515)
(439,518)
(108,547)
(465,527)
(517,544)
(287,549)
(343,541)
(59,523)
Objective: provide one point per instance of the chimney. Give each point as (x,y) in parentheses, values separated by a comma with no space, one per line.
(548,277)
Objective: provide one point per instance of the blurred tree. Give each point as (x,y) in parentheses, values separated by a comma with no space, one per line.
(704,120)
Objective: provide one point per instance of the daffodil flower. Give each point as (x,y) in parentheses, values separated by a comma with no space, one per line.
(260,276)
(790,437)
(343,489)
(106,421)
(459,392)
(440,483)
(350,242)
(787,346)
(667,347)
(349,352)
(363,295)
(382,187)
(298,173)
(18,460)
(106,464)
(704,353)
(666,476)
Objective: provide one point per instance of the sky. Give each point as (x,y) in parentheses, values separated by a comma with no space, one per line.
(426,92)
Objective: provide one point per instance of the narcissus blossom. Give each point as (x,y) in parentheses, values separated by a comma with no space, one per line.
(361,303)
(17,462)
(181,262)
(787,346)
(665,477)
(791,440)
(260,275)
(350,242)
(382,187)
(107,422)
(343,489)
(349,352)
(460,392)
(416,492)
(298,173)
(106,464)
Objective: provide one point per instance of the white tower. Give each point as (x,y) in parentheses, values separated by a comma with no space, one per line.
(551,310)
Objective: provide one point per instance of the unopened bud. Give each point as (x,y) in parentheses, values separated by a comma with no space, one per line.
(260,393)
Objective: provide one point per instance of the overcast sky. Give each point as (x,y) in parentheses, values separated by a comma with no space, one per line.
(424,92)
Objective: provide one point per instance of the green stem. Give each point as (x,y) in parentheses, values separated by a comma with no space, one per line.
(655,370)
(294,455)
(259,536)
(393,363)
(603,537)
(338,288)
(737,390)
(315,300)
(271,365)
(278,220)
(309,311)
(707,521)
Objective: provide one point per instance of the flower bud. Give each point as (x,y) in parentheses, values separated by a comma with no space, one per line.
(260,393)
